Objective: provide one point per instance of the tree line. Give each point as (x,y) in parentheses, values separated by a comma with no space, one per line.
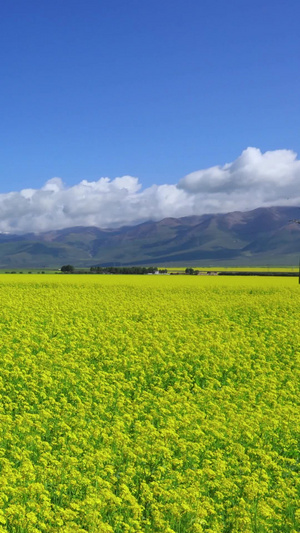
(126,270)
(69,269)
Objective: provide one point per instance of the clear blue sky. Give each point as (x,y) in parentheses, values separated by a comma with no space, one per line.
(150,88)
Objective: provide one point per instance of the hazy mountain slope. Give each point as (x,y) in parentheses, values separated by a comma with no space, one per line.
(261,236)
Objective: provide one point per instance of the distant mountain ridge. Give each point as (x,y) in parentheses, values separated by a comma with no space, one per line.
(263,236)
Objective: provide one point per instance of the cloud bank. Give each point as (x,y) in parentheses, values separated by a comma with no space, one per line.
(254,179)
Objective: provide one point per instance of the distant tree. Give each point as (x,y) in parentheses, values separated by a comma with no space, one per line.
(67,268)
(189,271)
(123,270)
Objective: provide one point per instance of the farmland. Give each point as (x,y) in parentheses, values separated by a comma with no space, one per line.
(236,269)
(149,404)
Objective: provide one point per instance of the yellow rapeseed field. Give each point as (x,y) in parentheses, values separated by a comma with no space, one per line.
(154,404)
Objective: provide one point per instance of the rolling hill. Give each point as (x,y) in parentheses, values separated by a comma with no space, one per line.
(264,236)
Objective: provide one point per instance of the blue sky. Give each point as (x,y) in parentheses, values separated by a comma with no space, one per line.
(150,89)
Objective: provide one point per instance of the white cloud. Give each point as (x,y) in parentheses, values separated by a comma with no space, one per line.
(254,179)
(251,170)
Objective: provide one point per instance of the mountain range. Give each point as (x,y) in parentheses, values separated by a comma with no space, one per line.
(263,236)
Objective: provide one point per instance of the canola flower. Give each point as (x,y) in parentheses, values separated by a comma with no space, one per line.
(149,404)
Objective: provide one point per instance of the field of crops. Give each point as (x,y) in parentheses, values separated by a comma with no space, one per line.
(153,404)
(237,269)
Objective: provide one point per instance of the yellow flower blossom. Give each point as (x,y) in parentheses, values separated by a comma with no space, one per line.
(149,404)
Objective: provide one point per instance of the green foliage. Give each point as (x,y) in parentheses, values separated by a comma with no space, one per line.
(66,268)
(191,271)
(125,270)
